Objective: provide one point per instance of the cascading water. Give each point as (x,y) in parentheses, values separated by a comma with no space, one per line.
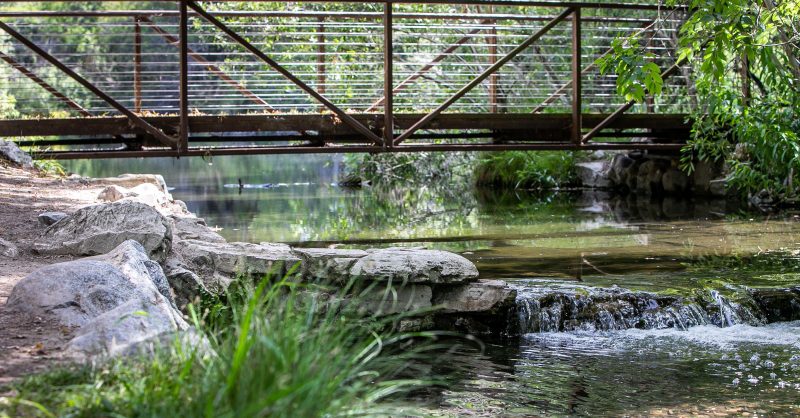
(549,306)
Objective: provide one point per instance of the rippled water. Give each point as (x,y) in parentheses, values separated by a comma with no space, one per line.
(616,265)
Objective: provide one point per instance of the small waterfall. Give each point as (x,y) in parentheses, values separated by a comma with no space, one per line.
(556,307)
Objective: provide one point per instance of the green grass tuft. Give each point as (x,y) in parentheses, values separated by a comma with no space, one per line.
(527,169)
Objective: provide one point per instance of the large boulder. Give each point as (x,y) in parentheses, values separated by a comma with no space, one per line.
(411,265)
(115,300)
(99,229)
(11,152)
(219,263)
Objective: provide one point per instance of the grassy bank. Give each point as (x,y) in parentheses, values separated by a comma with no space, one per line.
(527,169)
(278,349)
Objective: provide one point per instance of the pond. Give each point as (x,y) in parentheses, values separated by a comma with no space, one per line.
(614,252)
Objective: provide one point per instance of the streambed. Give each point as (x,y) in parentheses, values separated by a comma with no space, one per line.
(724,356)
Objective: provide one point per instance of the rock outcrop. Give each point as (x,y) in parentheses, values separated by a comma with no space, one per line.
(99,229)
(115,300)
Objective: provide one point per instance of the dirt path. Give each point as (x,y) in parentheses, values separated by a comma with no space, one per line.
(30,344)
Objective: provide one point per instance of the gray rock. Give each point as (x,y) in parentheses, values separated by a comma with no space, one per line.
(649,177)
(718,187)
(49,218)
(11,152)
(111,194)
(146,193)
(218,263)
(483,296)
(117,299)
(185,227)
(125,327)
(392,300)
(100,228)
(704,173)
(620,169)
(186,285)
(675,181)
(8,249)
(128,181)
(594,174)
(328,264)
(401,265)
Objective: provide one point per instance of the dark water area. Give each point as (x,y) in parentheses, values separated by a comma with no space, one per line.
(631,306)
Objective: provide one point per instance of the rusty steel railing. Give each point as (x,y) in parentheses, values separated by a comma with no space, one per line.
(330,76)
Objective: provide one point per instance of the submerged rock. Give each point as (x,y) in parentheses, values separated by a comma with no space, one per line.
(99,229)
(116,300)
(9,151)
(410,265)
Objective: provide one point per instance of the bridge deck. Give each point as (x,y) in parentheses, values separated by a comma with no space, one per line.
(233,77)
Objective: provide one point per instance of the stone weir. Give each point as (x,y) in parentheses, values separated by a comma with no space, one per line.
(146,257)
(548,306)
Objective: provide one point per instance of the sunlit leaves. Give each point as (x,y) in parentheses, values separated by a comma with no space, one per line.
(637,75)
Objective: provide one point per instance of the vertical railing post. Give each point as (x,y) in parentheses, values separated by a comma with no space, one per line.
(321,76)
(577,122)
(183,28)
(650,103)
(388,76)
(492,41)
(137,65)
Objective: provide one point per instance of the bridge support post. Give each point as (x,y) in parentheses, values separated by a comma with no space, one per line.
(183,28)
(577,119)
(388,76)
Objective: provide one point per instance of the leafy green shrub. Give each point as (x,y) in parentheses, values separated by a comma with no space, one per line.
(281,350)
(527,169)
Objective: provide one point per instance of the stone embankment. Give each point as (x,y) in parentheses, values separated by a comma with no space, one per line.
(142,257)
(652,175)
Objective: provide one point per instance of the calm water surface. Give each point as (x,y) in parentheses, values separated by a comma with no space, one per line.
(586,240)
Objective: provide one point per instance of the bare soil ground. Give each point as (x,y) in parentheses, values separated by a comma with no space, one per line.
(30,344)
